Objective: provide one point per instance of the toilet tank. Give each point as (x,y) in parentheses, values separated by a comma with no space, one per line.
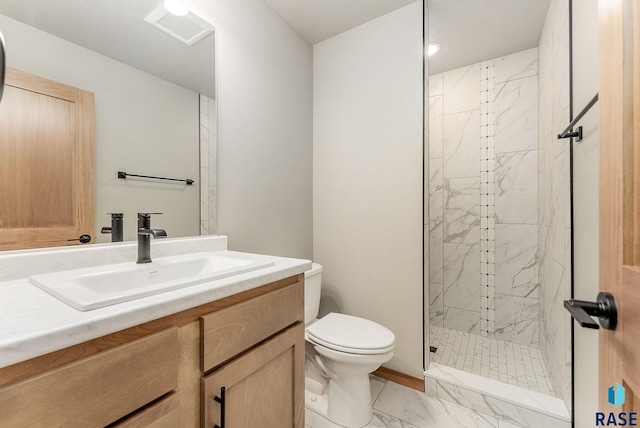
(312,284)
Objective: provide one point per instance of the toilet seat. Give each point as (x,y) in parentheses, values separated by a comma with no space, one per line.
(349,334)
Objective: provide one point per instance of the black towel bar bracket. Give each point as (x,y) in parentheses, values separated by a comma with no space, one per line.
(124,175)
(578,133)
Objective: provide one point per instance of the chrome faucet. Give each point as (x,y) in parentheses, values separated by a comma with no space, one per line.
(144,236)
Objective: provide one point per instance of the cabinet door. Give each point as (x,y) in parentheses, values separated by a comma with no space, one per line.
(262,388)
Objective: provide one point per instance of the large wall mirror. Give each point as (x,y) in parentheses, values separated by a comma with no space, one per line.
(155,114)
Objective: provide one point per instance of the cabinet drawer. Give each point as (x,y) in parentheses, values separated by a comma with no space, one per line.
(229,331)
(162,414)
(95,391)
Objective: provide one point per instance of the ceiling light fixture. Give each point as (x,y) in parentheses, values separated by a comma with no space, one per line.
(433,49)
(176,7)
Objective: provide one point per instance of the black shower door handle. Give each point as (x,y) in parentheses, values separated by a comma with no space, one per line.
(604,308)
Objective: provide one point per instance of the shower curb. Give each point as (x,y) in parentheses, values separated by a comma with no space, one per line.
(505,402)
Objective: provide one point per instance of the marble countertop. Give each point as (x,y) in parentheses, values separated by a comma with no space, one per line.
(34,323)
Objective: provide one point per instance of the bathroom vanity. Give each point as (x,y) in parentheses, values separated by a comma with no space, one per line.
(227,353)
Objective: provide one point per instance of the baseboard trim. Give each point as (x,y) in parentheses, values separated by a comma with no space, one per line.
(401,378)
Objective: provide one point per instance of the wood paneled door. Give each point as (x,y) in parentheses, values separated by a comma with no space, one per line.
(620,199)
(46,163)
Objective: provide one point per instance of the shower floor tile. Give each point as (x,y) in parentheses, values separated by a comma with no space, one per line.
(508,362)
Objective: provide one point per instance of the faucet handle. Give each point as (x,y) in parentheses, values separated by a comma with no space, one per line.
(146,217)
(116,215)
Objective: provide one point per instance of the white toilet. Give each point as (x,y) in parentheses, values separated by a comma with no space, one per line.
(341,351)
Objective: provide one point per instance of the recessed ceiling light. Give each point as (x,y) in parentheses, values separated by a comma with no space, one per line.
(176,7)
(433,49)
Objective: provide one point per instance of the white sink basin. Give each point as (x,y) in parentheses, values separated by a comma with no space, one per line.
(99,286)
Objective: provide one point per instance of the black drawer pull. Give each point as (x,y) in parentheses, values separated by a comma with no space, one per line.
(221,401)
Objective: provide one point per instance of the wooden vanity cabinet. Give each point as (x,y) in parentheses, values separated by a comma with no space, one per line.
(97,390)
(167,372)
(255,386)
(259,388)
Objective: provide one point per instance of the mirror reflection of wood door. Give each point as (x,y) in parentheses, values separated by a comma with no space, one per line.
(46,163)
(620,198)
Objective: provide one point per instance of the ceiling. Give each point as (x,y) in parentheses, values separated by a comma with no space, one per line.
(116,29)
(318,20)
(469,31)
(472,31)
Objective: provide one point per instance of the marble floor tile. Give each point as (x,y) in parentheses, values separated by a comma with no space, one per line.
(376,387)
(518,365)
(505,424)
(421,411)
(397,406)
(380,420)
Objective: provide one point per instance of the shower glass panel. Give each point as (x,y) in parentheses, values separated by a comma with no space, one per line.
(498,196)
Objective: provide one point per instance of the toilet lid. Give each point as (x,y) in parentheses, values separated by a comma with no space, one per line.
(351,334)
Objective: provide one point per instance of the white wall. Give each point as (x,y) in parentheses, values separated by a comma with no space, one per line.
(367,176)
(264,128)
(585,198)
(144,125)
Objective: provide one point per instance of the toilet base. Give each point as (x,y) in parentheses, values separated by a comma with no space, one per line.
(316,403)
(345,408)
(320,403)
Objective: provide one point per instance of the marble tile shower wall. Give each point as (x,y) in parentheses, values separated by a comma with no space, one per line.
(483,198)
(208,165)
(554,200)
